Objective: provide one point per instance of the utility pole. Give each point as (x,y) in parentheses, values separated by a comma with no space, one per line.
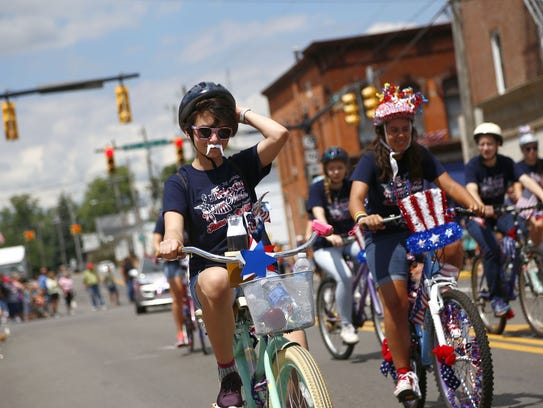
(468,122)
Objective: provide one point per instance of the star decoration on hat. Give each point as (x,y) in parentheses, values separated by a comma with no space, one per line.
(256,261)
(434,238)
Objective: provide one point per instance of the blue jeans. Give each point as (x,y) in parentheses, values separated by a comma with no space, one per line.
(95,295)
(490,248)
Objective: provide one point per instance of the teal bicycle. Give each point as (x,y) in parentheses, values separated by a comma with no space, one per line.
(275,371)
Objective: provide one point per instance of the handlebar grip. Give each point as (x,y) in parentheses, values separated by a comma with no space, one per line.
(322,229)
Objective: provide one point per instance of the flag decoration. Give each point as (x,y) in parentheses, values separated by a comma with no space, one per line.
(446,357)
(426,216)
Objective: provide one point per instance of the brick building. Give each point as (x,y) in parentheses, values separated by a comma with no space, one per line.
(503,50)
(307,98)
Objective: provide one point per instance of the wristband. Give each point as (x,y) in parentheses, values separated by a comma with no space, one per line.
(358,215)
(242,114)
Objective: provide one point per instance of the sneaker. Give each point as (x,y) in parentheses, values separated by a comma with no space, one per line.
(348,334)
(230,393)
(534,279)
(181,340)
(407,387)
(500,307)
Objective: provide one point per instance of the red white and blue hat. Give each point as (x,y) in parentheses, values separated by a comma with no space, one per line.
(426,216)
(395,103)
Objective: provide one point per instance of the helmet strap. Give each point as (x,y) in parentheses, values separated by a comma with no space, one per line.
(392,159)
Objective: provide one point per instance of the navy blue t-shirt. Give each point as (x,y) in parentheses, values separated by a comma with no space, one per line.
(337,212)
(383,195)
(492,181)
(535,172)
(211,197)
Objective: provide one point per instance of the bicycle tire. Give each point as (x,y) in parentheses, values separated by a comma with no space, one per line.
(296,365)
(329,321)
(378,318)
(465,332)
(481,298)
(531,300)
(202,335)
(189,327)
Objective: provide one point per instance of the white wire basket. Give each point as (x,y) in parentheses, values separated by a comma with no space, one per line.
(281,303)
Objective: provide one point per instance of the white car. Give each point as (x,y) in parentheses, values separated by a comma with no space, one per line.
(151,287)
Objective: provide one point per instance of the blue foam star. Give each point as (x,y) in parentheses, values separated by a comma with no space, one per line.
(256,261)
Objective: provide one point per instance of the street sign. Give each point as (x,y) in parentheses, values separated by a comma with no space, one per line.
(141,145)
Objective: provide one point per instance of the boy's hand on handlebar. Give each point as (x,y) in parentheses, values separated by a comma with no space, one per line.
(170,249)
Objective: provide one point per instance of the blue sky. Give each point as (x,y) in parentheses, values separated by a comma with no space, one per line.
(172,44)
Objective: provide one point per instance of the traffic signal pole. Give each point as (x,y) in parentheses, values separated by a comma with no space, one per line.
(121,92)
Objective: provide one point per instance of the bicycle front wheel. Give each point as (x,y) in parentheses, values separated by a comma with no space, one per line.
(481,297)
(203,335)
(299,382)
(329,321)
(530,282)
(469,381)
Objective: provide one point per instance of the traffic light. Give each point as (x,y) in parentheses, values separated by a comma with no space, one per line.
(123,104)
(10,120)
(110,157)
(350,108)
(178,142)
(30,235)
(369,93)
(75,229)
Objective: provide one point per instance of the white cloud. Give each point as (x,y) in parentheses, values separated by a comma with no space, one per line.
(41,25)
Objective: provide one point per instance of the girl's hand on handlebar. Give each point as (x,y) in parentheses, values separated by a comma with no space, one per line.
(335,239)
(373,222)
(170,249)
(477,209)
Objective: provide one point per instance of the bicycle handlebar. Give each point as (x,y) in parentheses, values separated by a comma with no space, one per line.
(513,209)
(319,230)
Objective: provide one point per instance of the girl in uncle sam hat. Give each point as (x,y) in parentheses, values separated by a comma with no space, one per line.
(394,168)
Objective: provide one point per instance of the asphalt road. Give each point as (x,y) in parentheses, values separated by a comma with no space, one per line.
(115,358)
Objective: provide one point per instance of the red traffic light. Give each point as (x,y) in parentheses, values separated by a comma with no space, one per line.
(109,151)
(178,141)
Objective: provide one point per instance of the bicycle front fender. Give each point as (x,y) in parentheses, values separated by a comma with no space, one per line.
(275,344)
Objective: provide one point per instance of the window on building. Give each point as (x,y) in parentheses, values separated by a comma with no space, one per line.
(496,45)
(451,98)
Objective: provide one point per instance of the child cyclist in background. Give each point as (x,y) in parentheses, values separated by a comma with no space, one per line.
(393,167)
(329,202)
(199,199)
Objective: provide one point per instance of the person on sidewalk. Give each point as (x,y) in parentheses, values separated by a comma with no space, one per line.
(91,280)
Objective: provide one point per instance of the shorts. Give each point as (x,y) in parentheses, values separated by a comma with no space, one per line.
(173,269)
(387,256)
(192,287)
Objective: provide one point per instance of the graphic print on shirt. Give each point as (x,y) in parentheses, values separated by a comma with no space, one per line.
(493,186)
(339,210)
(224,199)
(402,189)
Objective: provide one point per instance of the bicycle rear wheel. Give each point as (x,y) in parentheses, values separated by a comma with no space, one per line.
(465,332)
(299,382)
(329,321)
(378,318)
(481,298)
(530,282)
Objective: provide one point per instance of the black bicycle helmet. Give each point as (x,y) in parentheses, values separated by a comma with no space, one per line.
(199,92)
(334,153)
